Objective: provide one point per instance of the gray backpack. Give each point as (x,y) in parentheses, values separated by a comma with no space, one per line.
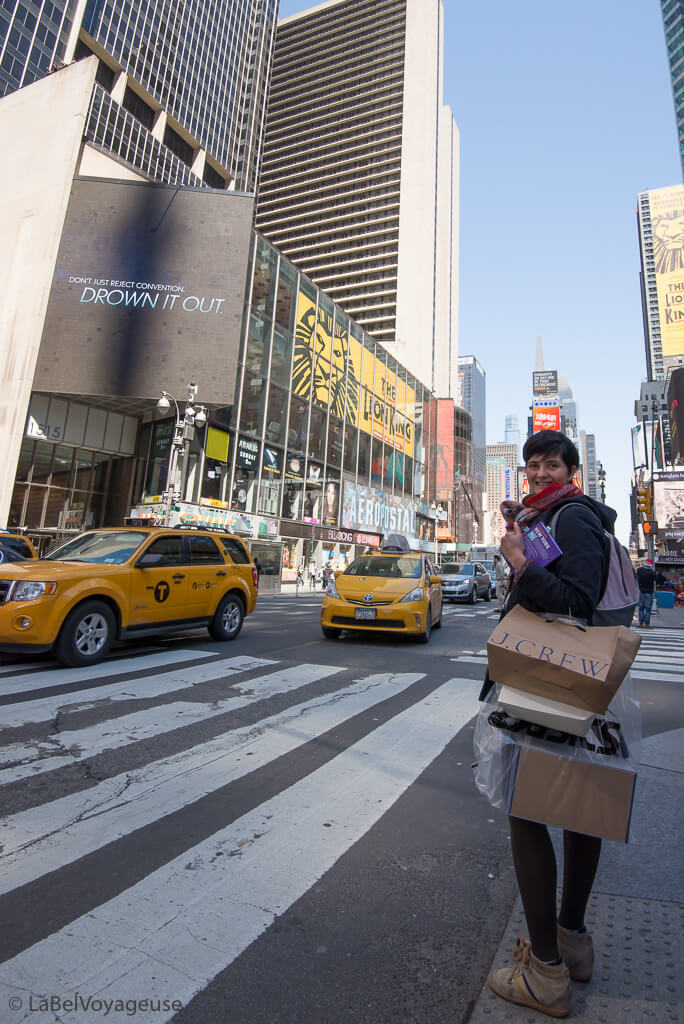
(620,594)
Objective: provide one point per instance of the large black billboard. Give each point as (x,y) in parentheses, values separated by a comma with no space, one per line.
(148,292)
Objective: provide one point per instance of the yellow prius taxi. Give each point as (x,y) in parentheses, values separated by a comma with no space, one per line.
(392,590)
(112,584)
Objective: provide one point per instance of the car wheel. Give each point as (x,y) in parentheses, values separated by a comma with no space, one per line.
(228,618)
(438,623)
(331,634)
(425,635)
(488,594)
(87,634)
(473,595)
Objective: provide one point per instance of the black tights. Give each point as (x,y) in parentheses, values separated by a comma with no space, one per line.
(535,868)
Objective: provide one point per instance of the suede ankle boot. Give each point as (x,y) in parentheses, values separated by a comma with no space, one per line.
(577,949)
(544,987)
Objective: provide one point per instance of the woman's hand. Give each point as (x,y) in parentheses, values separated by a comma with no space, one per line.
(513,548)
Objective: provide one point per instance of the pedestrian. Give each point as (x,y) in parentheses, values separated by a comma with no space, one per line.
(500,574)
(312,577)
(326,576)
(646,578)
(559,947)
(257,566)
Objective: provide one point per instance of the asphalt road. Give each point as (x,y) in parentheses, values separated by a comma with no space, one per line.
(280,829)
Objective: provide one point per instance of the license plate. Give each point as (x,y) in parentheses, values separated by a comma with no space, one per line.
(364,613)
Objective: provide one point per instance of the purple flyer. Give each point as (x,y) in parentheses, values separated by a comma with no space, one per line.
(540,545)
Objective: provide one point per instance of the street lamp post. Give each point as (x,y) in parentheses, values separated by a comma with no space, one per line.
(438,510)
(183,432)
(601,474)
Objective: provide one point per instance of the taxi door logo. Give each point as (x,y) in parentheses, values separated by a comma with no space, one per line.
(161,591)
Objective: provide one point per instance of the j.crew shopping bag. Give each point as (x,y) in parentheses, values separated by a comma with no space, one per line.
(578,665)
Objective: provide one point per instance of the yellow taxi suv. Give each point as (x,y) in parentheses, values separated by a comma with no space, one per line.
(15,548)
(114,584)
(390,590)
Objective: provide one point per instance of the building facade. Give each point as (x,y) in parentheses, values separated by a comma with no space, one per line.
(512,431)
(181,89)
(471,394)
(317,443)
(660,220)
(673,22)
(360,175)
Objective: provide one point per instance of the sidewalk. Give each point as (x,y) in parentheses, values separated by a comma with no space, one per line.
(636,911)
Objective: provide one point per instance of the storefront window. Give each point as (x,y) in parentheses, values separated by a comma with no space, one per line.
(25,459)
(313,493)
(258,342)
(33,515)
(263,286)
(246,474)
(293,490)
(285,302)
(395,471)
(282,356)
(350,447)
(277,415)
(317,434)
(15,517)
(331,501)
(54,508)
(378,462)
(299,424)
(42,463)
(271,481)
(335,436)
(82,467)
(364,456)
(251,413)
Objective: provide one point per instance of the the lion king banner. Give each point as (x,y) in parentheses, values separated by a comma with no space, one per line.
(336,371)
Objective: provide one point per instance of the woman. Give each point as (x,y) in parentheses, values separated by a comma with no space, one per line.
(559,948)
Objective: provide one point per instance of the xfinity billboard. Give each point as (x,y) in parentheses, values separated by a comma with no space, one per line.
(148,292)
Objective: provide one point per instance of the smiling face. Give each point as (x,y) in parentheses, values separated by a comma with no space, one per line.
(546,469)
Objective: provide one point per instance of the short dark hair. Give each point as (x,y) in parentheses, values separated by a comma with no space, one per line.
(551,442)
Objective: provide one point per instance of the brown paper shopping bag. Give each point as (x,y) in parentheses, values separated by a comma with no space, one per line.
(578,665)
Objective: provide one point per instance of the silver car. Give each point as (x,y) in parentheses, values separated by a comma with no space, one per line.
(465,581)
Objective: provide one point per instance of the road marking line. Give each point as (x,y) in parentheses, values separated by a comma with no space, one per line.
(176,929)
(151,723)
(48,836)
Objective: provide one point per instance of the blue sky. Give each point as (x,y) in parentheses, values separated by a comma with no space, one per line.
(565,113)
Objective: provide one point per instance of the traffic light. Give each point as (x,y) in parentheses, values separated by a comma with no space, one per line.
(650,526)
(644,502)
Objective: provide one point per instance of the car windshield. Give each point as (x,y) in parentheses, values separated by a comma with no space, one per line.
(108,548)
(391,566)
(455,569)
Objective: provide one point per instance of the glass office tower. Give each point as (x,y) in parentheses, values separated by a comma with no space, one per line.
(181,89)
(673,20)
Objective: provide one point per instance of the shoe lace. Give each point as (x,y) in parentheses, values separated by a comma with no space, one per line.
(521,953)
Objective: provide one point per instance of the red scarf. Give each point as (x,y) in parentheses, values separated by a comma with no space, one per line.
(533,504)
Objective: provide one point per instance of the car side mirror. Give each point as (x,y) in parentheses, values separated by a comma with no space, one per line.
(148,561)
(435,579)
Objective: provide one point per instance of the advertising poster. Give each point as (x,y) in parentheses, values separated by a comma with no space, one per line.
(667,226)
(546,417)
(338,372)
(545,382)
(367,508)
(669,506)
(148,292)
(331,501)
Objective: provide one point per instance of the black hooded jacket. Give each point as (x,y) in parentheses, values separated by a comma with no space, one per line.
(573,583)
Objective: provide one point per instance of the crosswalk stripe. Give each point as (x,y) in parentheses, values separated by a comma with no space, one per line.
(43,709)
(106,670)
(153,722)
(51,835)
(173,931)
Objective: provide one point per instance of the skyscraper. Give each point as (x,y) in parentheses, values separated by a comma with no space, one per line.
(512,431)
(181,89)
(660,214)
(472,396)
(568,409)
(359,184)
(673,20)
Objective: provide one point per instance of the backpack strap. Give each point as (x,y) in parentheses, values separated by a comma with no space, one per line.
(608,537)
